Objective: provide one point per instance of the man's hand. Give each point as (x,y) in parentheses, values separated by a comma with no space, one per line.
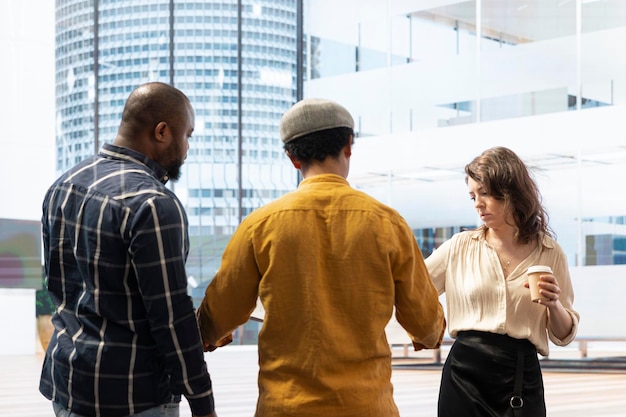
(223,342)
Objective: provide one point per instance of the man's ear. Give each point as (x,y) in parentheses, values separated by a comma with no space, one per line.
(160,131)
(347,150)
(294,161)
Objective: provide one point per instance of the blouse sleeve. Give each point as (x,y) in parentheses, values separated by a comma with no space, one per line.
(561,272)
(437,265)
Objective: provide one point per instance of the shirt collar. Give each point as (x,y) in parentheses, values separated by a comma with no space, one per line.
(325,178)
(479,234)
(117,152)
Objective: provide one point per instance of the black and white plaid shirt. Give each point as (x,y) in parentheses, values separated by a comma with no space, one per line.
(115,245)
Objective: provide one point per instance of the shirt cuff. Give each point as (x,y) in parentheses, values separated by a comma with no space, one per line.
(570,337)
(202,406)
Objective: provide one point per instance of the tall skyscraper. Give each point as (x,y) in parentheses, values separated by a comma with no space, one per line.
(237,62)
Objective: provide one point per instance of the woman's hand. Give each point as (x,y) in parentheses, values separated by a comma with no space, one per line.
(559,319)
(548,288)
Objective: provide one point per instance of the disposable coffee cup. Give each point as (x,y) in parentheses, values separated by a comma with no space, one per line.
(533,279)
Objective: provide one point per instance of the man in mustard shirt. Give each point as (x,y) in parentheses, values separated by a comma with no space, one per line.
(329,264)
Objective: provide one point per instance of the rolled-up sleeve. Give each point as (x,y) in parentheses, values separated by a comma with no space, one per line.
(237,279)
(418,309)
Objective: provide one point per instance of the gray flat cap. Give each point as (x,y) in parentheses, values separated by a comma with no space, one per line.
(312,115)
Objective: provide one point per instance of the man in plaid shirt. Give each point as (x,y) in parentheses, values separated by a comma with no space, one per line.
(126,340)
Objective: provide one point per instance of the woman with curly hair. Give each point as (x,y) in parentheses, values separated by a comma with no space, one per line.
(492,368)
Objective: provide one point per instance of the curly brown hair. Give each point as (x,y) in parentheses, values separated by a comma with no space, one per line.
(506,177)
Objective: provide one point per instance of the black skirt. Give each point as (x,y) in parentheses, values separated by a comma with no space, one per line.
(491,375)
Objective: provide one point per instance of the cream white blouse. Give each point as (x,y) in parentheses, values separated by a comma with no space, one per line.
(479,297)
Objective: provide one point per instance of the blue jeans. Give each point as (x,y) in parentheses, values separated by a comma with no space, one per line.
(163,410)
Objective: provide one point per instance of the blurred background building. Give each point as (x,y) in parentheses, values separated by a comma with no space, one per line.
(434,83)
(235,60)
(431,84)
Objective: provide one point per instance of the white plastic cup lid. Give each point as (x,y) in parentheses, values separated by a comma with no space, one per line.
(539,268)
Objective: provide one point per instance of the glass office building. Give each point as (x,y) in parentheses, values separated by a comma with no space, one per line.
(235,60)
(434,83)
(545,78)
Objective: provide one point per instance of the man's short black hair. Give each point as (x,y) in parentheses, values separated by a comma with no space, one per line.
(317,146)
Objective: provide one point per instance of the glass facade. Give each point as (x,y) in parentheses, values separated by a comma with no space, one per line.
(235,60)
(546,78)
(413,75)
(532,58)
(430,84)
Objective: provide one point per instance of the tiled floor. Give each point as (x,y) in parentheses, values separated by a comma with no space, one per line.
(234,370)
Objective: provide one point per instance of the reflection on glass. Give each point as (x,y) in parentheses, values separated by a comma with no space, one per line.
(522,82)
(603,77)
(239,84)
(605,240)
(330,58)
(533,43)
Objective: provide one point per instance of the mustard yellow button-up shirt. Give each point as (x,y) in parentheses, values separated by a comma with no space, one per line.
(479,297)
(329,264)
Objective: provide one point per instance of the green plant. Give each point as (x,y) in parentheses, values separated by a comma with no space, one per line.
(43,302)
